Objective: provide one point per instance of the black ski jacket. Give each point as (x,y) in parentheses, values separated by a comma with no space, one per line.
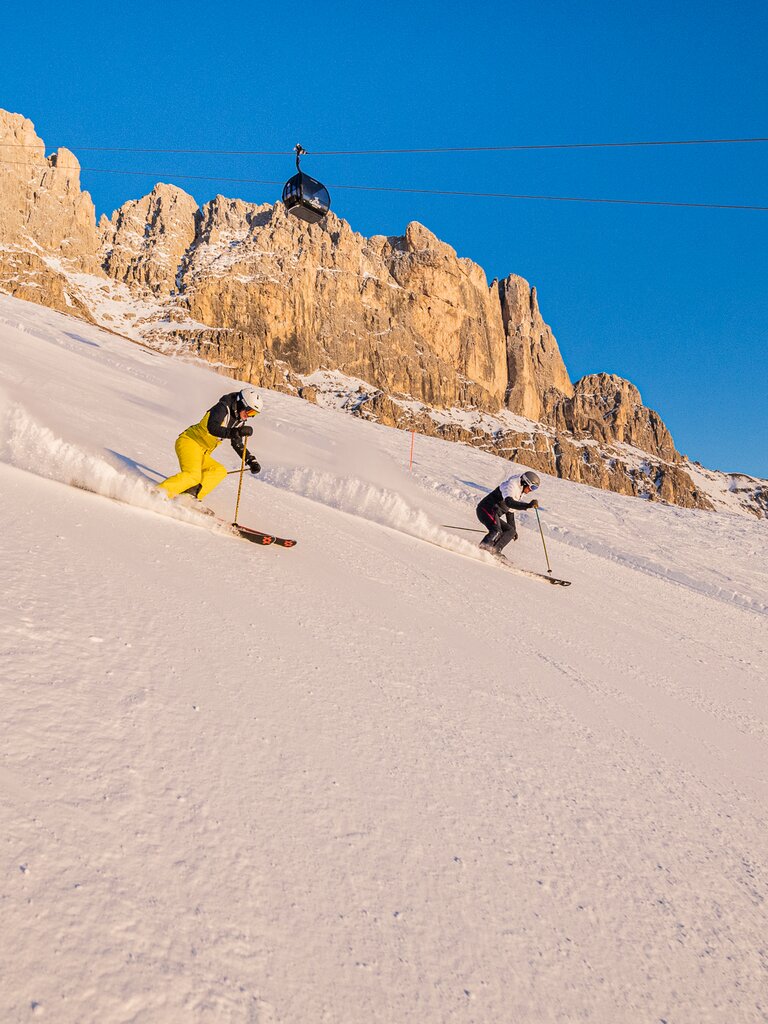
(221,422)
(497,505)
(224,421)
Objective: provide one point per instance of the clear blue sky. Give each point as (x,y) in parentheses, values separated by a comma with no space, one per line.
(675,300)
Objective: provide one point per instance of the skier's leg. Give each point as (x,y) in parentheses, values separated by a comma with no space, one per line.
(190,456)
(491,524)
(508,533)
(213,474)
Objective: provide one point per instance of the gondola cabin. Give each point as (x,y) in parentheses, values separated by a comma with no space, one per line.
(305,197)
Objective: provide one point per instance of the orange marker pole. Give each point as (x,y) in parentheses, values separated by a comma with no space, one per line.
(410,464)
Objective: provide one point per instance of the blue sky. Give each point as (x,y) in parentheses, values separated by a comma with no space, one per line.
(675,300)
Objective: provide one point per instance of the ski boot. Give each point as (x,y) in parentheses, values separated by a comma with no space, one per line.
(189,499)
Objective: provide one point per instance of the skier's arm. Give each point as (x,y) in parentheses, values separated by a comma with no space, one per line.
(216,417)
(250,459)
(238,435)
(521,506)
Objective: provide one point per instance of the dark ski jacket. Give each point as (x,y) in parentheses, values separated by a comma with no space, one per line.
(496,505)
(221,422)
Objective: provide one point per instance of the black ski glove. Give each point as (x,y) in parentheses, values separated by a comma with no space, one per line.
(252,465)
(533,504)
(242,430)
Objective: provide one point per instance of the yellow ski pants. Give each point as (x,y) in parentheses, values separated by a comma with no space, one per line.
(197,467)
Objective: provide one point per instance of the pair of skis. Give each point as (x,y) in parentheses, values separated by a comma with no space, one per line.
(504,562)
(246,532)
(257,537)
(254,536)
(263,539)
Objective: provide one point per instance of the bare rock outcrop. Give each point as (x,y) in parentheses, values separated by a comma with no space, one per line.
(404,313)
(268,298)
(609,409)
(534,363)
(41,204)
(47,223)
(615,466)
(145,241)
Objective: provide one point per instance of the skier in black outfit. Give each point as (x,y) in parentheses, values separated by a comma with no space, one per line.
(496,510)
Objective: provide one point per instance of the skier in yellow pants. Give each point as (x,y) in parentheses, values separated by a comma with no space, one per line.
(199,473)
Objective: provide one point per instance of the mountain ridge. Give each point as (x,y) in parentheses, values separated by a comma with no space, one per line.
(267,298)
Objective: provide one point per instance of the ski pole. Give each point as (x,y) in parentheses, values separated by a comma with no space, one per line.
(549,567)
(240,485)
(467,529)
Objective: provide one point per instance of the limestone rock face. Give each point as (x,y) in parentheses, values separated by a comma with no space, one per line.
(25,156)
(145,241)
(427,343)
(46,222)
(608,465)
(610,409)
(26,275)
(41,205)
(404,313)
(534,363)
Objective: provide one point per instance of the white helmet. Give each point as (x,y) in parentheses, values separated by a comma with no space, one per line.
(250,398)
(530,479)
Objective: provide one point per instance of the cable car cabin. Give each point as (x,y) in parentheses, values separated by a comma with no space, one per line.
(306,198)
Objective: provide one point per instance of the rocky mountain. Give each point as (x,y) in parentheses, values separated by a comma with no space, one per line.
(399,329)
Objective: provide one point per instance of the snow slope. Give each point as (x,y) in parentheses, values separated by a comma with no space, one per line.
(366,779)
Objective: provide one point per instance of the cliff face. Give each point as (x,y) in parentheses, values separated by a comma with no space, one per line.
(145,241)
(41,204)
(44,218)
(534,363)
(268,298)
(404,313)
(614,463)
(609,409)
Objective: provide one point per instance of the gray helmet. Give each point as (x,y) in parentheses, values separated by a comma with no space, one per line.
(249,398)
(530,479)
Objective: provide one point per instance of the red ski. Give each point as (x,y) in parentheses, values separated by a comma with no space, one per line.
(258,537)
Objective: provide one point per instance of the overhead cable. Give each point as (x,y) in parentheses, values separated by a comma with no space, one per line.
(391,152)
(558,145)
(424,191)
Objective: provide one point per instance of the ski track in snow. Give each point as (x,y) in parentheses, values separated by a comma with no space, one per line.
(363,779)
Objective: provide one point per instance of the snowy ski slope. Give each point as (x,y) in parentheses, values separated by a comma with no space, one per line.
(363,780)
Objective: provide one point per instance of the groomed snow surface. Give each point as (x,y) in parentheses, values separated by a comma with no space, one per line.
(369,780)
